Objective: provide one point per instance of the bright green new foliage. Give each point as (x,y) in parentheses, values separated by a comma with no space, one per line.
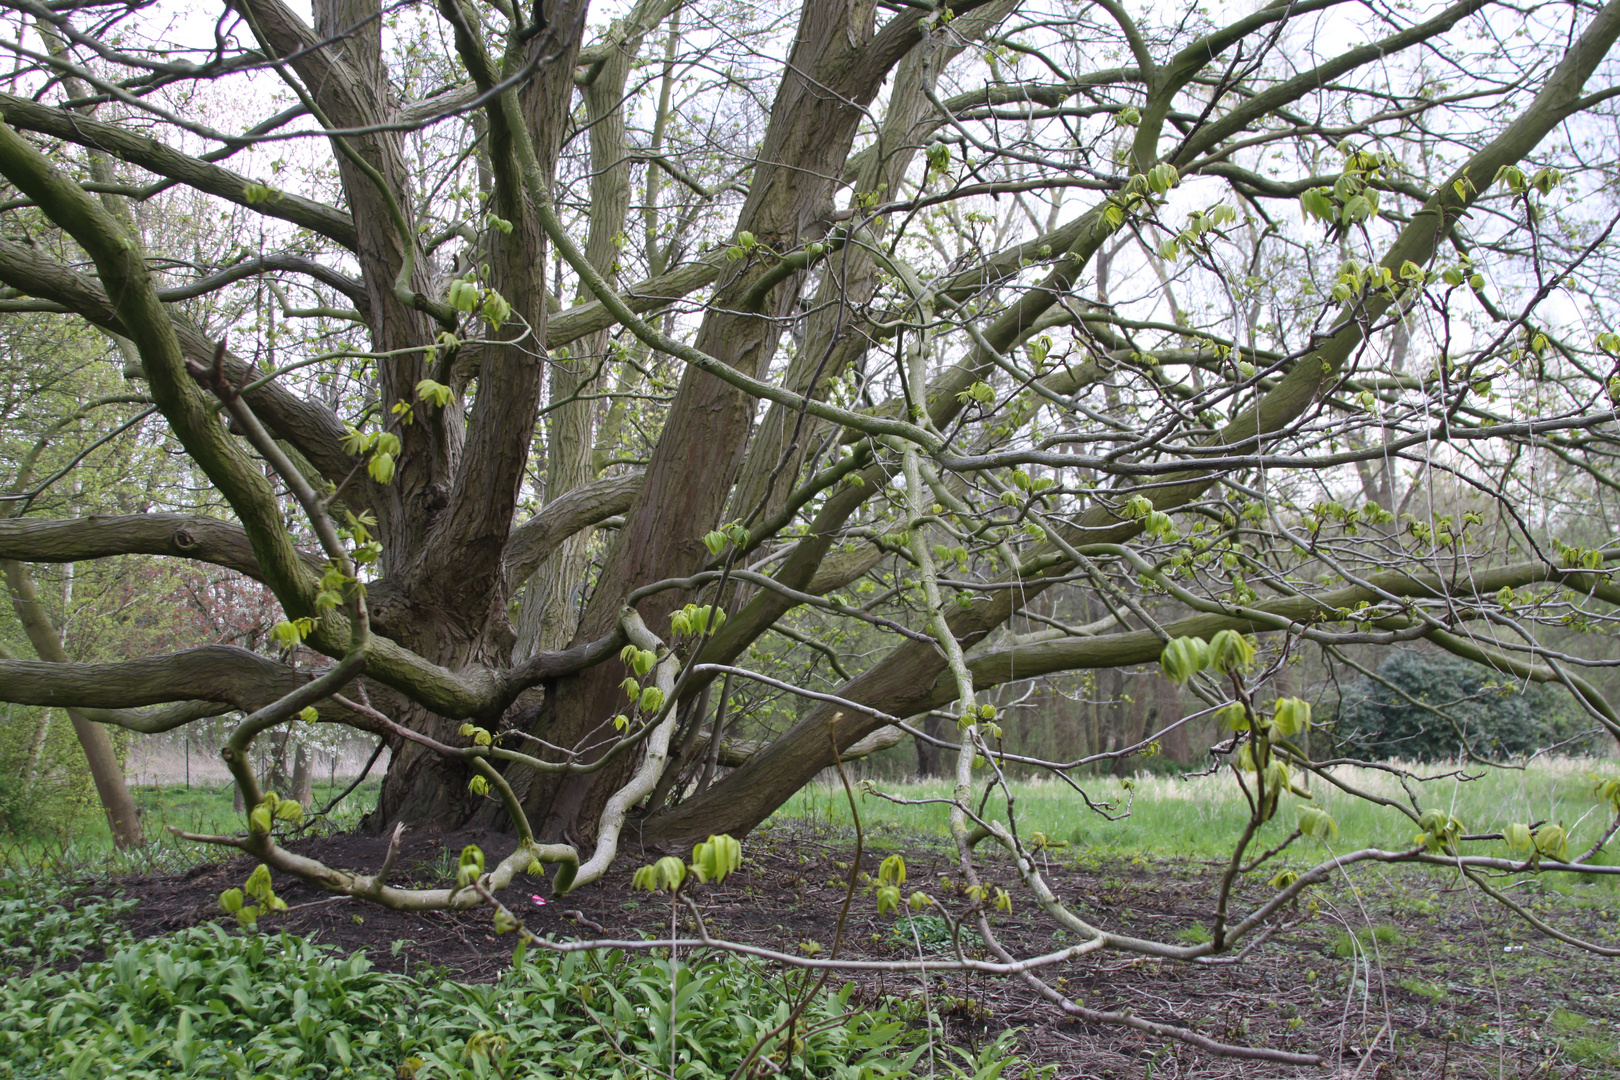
(44,923)
(204,1003)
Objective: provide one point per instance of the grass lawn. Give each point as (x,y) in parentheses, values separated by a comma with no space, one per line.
(1157,815)
(162,807)
(212,809)
(1202,816)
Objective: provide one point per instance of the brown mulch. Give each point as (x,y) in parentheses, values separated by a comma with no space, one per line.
(1457,988)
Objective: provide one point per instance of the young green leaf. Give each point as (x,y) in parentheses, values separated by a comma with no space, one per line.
(1291,716)
(1230,651)
(1184,657)
(665,875)
(381,468)
(258,883)
(1317,824)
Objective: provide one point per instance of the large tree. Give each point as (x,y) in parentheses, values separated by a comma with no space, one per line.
(540,335)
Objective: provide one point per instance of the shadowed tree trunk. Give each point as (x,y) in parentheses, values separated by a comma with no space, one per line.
(930,758)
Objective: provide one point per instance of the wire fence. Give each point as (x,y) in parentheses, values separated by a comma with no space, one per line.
(195,762)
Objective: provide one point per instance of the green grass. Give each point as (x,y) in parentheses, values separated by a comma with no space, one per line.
(1194,935)
(1423,989)
(1584,1042)
(1593,1050)
(194,809)
(212,809)
(1201,817)
(1565,1022)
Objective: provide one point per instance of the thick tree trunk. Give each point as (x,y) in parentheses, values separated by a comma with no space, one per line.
(303,778)
(831,76)
(123,820)
(454,586)
(553,597)
(274,775)
(421,788)
(36,748)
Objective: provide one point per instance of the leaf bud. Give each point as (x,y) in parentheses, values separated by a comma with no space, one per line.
(470,867)
(1317,823)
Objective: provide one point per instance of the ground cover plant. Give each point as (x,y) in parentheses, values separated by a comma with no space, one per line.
(622,415)
(205,1001)
(43,924)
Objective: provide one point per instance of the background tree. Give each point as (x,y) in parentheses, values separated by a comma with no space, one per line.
(1438,707)
(59,427)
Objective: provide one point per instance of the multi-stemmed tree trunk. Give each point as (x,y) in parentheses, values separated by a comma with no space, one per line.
(820,363)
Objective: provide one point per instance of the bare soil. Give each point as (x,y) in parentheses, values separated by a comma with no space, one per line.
(1445,985)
